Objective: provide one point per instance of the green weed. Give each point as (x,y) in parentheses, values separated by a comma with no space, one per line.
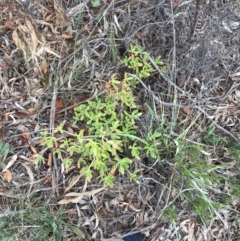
(110,127)
(138,61)
(211,138)
(170,214)
(96,3)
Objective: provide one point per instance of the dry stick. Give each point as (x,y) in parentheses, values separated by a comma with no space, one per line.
(173,71)
(185,106)
(52,118)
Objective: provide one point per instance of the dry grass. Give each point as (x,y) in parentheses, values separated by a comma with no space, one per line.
(55,55)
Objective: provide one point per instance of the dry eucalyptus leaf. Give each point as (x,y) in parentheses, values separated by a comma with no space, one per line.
(46,23)
(175,4)
(61,20)
(33,149)
(133,208)
(191,231)
(79,196)
(19,43)
(59,103)
(187,111)
(10,163)
(76,9)
(73,182)
(29,171)
(7,175)
(34,39)
(8,59)
(43,49)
